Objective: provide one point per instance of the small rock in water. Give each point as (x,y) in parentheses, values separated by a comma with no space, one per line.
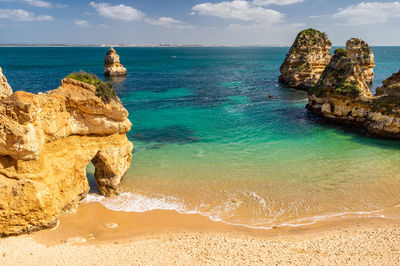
(76,240)
(112,225)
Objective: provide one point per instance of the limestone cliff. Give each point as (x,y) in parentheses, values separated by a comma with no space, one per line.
(306,60)
(112,66)
(46,142)
(342,94)
(5,89)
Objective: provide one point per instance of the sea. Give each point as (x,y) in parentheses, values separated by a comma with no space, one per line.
(209,139)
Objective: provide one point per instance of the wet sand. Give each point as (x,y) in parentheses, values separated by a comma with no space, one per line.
(89,237)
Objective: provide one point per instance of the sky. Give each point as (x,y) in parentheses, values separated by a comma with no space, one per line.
(206,22)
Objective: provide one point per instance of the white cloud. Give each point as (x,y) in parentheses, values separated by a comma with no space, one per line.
(44,18)
(22,15)
(128,13)
(369,13)
(38,3)
(168,22)
(118,12)
(81,23)
(276,2)
(262,27)
(240,10)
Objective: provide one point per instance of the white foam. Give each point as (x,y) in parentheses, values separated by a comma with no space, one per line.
(130,202)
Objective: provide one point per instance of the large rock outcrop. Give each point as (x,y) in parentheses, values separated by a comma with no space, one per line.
(361,53)
(342,94)
(46,142)
(5,88)
(112,66)
(306,60)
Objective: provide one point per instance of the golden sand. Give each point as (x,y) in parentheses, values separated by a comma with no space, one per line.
(97,236)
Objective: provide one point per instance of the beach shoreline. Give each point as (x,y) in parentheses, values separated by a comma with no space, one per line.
(97,236)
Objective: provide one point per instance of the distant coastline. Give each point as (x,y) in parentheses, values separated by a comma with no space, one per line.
(135,45)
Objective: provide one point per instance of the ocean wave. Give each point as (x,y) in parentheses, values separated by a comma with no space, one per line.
(131,202)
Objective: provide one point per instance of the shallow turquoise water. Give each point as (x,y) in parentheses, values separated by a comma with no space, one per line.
(208,139)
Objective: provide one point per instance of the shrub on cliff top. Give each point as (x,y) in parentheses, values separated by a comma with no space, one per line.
(104,90)
(340,52)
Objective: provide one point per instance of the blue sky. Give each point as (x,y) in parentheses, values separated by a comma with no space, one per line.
(237,22)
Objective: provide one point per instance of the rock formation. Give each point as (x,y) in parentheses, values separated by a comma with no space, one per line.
(46,142)
(112,66)
(391,86)
(342,93)
(5,89)
(342,76)
(361,53)
(306,60)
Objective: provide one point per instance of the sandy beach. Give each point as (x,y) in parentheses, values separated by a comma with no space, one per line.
(90,237)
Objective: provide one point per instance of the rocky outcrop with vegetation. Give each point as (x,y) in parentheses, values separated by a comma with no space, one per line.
(342,93)
(46,142)
(361,53)
(306,60)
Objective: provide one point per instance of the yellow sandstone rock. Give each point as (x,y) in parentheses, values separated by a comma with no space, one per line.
(46,142)
(112,66)
(5,89)
(306,60)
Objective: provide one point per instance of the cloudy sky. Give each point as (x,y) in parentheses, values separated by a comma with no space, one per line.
(237,22)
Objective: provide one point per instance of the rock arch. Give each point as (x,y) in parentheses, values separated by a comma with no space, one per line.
(46,142)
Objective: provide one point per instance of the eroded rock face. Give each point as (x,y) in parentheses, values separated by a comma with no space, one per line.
(342,94)
(343,76)
(391,86)
(112,66)
(306,60)
(361,53)
(46,142)
(5,88)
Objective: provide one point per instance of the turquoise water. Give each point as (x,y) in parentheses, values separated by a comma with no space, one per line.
(209,140)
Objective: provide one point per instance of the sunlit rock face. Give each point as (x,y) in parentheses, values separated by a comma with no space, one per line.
(112,66)
(361,53)
(46,142)
(306,60)
(5,88)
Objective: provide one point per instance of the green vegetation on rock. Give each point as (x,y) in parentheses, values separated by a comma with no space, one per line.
(305,38)
(348,88)
(104,90)
(340,52)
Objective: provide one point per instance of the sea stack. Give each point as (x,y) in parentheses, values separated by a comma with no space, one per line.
(306,60)
(46,142)
(5,88)
(112,66)
(361,53)
(342,94)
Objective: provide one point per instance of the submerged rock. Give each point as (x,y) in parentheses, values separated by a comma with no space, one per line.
(5,88)
(306,60)
(112,66)
(46,142)
(342,93)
